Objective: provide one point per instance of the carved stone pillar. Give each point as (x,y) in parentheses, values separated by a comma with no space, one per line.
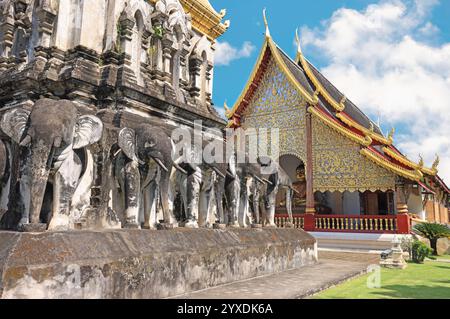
(195,64)
(208,79)
(184,77)
(46,25)
(157,66)
(126,32)
(6,37)
(167,43)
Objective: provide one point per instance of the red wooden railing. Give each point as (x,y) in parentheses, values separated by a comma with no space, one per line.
(380,224)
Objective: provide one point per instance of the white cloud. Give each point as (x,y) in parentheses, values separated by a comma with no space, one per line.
(380,59)
(226,53)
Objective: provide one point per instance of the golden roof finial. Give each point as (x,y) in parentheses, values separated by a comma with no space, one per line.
(421,162)
(371,127)
(436,163)
(266,23)
(391,134)
(225,106)
(223,13)
(299,46)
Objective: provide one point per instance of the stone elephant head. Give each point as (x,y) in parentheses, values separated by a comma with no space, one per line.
(52,131)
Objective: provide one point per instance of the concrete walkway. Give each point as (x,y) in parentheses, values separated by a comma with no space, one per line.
(293,284)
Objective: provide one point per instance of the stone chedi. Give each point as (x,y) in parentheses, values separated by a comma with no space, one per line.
(77,82)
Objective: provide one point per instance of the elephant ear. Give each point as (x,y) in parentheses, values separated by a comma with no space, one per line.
(127,143)
(88,130)
(14,124)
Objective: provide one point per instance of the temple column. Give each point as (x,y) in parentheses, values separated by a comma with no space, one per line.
(402,206)
(403,220)
(310,208)
(167,44)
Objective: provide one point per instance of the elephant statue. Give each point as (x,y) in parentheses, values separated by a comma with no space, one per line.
(243,182)
(54,135)
(144,170)
(202,182)
(278,178)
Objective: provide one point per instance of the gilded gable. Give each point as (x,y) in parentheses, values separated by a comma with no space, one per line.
(277,104)
(338,165)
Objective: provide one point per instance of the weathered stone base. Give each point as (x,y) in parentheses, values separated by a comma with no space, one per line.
(144,263)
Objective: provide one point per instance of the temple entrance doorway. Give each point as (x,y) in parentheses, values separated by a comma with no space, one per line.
(295,168)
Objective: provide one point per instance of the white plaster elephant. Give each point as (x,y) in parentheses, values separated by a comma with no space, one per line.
(54,133)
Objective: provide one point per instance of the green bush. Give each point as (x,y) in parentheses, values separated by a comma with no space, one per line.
(433,232)
(420,251)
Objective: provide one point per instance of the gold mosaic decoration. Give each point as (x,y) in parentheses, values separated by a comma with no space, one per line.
(339,166)
(277,104)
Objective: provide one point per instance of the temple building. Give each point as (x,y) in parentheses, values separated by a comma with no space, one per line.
(348,176)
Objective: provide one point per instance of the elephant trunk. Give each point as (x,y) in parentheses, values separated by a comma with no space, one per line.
(40,164)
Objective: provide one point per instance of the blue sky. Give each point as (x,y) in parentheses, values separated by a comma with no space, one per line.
(391,57)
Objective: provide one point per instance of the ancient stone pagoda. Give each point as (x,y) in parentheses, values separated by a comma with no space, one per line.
(126,62)
(349,177)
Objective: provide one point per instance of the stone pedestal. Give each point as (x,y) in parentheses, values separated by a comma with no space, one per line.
(144,263)
(395,259)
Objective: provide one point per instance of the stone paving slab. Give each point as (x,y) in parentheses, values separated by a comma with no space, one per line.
(293,284)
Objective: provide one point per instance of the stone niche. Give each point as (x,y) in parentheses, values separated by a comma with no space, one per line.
(144,264)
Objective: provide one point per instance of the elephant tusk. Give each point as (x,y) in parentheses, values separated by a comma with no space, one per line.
(215,169)
(258,179)
(179,168)
(26,141)
(267,181)
(161,164)
(229,174)
(117,153)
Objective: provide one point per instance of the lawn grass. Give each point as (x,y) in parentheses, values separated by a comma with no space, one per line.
(429,280)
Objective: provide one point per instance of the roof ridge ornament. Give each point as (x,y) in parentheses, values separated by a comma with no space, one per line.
(391,134)
(299,46)
(266,24)
(226,108)
(421,161)
(436,163)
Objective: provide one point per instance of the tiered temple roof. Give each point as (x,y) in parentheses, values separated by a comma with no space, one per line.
(334,109)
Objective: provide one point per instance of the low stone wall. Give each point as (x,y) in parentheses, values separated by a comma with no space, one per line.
(144,264)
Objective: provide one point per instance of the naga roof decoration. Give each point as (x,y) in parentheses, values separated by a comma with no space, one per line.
(332,107)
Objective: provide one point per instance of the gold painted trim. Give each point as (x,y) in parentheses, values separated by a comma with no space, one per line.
(429,171)
(233,110)
(373,135)
(337,106)
(415,175)
(404,160)
(365,141)
(269,44)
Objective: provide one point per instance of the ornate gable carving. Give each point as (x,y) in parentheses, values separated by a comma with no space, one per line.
(338,165)
(277,104)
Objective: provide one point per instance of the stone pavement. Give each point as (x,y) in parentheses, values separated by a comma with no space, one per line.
(333,268)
